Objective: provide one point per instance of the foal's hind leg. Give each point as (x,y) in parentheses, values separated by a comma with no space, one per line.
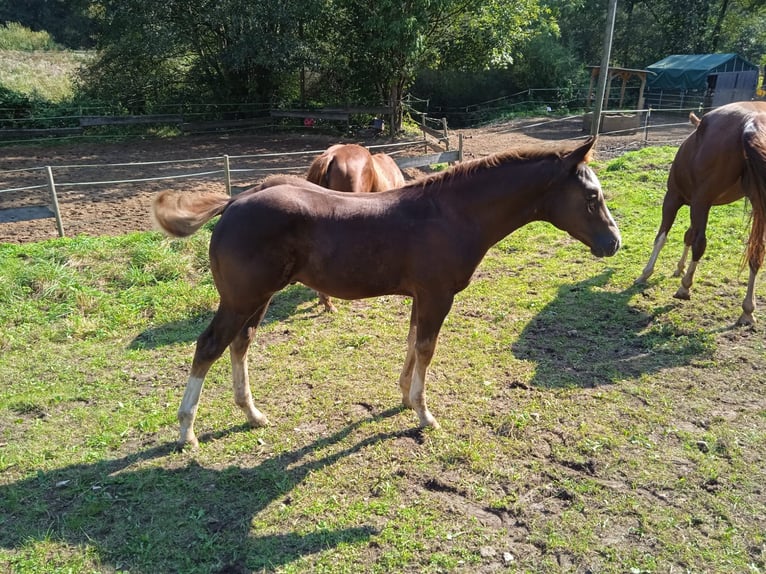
(243,397)
(210,346)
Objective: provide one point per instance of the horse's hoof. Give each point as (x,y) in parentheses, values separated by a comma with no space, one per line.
(429,422)
(259,422)
(189,444)
(683,293)
(745,321)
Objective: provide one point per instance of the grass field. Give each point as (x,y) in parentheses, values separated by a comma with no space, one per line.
(588,425)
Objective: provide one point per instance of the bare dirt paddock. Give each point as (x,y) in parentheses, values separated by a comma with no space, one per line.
(90,203)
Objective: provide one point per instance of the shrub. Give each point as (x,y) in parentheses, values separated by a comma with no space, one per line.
(14,36)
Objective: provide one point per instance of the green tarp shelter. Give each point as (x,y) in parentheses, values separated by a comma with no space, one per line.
(707,80)
(691,71)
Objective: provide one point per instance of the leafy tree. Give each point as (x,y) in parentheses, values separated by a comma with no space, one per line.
(390,40)
(67,21)
(200,50)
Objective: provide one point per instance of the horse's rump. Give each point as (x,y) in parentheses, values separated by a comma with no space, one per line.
(388,174)
(754,184)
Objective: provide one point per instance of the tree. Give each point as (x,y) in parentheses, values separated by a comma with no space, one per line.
(391,39)
(201,50)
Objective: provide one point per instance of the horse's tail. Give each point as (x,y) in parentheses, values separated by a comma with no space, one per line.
(695,121)
(181,214)
(754,184)
(320,169)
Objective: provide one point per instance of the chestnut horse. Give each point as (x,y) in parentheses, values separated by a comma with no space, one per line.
(352,168)
(723,160)
(423,240)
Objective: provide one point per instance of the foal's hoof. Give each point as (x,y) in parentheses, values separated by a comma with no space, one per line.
(188,444)
(428,421)
(257,419)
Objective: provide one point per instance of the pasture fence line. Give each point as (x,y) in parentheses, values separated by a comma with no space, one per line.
(226,169)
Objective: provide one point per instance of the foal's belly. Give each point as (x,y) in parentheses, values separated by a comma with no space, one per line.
(354,279)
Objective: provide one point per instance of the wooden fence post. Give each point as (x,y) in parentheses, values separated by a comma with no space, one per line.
(54,201)
(227,174)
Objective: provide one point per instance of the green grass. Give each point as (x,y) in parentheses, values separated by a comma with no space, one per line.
(588,425)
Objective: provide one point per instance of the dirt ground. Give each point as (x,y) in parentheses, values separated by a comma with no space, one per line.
(90,203)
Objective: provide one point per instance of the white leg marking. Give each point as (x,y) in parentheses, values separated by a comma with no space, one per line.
(188,411)
(682,262)
(418,397)
(649,269)
(242,395)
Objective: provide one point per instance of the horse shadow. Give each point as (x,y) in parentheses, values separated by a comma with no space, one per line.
(588,337)
(145,517)
(286,304)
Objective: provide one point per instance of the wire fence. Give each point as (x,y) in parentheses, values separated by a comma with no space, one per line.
(33,192)
(30,193)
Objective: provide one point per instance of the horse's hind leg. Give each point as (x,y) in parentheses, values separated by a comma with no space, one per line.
(681,267)
(670,206)
(748,303)
(696,239)
(210,346)
(243,397)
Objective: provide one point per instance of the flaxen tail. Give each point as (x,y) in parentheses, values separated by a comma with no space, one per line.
(754,185)
(182,214)
(319,170)
(693,119)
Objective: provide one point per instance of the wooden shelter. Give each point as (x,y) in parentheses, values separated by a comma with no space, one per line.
(616,121)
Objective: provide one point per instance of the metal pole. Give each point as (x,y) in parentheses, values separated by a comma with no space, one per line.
(55,201)
(227,174)
(603,73)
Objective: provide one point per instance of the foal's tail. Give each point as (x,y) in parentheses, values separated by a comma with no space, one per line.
(320,169)
(754,184)
(181,214)
(693,119)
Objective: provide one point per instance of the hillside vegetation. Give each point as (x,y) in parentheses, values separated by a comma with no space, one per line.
(45,75)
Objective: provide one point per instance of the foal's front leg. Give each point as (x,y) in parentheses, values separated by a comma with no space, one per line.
(405,378)
(428,317)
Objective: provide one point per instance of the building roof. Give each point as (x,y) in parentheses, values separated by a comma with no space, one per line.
(690,71)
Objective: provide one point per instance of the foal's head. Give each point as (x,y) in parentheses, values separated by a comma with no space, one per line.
(576,204)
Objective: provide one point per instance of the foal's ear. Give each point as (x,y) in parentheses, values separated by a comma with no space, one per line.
(583,153)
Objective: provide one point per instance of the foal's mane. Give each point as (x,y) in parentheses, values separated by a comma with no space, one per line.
(516,155)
